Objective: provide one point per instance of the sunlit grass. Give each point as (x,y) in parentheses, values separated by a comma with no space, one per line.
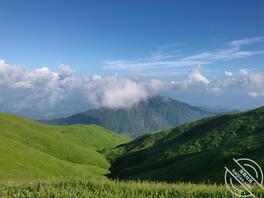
(102,187)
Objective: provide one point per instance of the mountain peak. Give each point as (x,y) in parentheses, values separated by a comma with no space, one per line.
(156,113)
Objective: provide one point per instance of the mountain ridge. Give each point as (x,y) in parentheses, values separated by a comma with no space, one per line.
(152,115)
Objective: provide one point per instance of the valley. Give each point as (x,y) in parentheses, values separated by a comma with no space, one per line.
(92,161)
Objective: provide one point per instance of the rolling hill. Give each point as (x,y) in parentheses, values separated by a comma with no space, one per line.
(154,114)
(30,150)
(196,151)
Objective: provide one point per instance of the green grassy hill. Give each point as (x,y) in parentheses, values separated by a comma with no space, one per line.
(30,150)
(197,151)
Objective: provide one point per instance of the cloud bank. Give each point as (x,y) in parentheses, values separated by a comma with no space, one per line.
(42,93)
(42,90)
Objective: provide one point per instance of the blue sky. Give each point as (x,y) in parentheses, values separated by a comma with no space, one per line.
(85,33)
(146,39)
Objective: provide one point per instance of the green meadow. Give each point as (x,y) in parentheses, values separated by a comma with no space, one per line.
(30,150)
(39,160)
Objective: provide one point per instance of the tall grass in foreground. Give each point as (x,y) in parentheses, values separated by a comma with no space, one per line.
(100,188)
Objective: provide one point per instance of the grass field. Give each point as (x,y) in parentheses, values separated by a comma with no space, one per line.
(40,160)
(30,150)
(104,188)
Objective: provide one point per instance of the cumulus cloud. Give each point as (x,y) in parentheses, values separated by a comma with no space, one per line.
(250,83)
(254,81)
(228,73)
(65,71)
(196,76)
(42,89)
(122,93)
(44,93)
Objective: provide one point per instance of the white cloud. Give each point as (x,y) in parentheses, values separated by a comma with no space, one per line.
(227,73)
(245,82)
(254,81)
(257,79)
(253,94)
(196,76)
(43,90)
(96,77)
(65,71)
(122,93)
(170,59)
(195,80)
(246,41)
(244,72)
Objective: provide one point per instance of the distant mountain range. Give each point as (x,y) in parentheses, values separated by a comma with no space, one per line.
(219,110)
(155,114)
(196,151)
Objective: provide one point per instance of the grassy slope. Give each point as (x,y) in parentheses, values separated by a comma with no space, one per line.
(32,150)
(197,151)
